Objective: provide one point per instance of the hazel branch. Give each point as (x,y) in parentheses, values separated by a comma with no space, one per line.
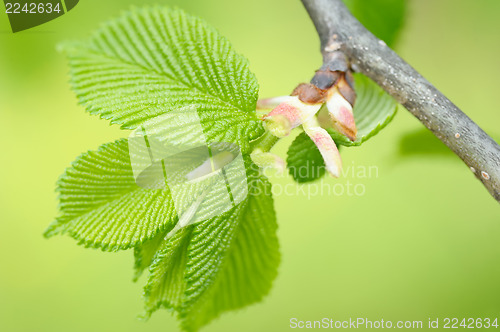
(339,31)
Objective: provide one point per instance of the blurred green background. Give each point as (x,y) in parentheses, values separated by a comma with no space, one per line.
(423,241)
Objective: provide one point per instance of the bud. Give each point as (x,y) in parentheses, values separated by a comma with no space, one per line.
(279,125)
(309,93)
(332,84)
(288,115)
(270,103)
(341,114)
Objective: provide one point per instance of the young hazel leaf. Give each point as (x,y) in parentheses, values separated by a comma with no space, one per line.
(155,60)
(144,254)
(304,161)
(221,264)
(153,69)
(101,205)
(373,110)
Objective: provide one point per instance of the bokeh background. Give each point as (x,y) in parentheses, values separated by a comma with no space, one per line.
(423,241)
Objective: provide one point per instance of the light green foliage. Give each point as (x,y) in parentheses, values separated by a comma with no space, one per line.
(373,110)
(384,18)
(101,205)
(154,68)
(145,253)
(147,69)
(304,161)
(223,263)
(220,264)
(155,60)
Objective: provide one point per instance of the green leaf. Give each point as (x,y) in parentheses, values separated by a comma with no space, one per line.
(384,18)
(180,83)
(166,284)
(153,61)
(221,264)
(101,205)
(144,254)
(373,110)
(304,161)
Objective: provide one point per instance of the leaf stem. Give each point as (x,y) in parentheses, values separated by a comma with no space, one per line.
(265,142)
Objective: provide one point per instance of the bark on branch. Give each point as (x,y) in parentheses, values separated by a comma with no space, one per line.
(339,30)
